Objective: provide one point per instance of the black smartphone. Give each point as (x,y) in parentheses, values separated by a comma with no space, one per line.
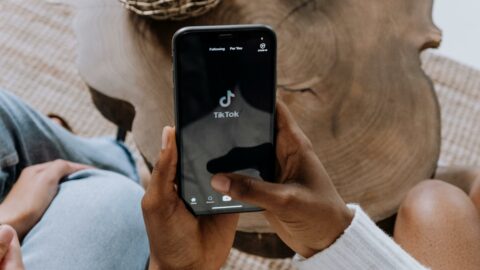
(225,83)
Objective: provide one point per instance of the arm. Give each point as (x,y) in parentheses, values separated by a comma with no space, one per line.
(362,246)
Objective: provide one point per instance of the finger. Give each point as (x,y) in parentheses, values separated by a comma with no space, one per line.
(58,169)
(36,169)
(42,166)
(266,195)
(285,120)
(291,141)
(13,258)
(165,170)
(286,123)
(6,237)
(161,195)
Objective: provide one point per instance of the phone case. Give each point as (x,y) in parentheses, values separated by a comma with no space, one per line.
(220,29)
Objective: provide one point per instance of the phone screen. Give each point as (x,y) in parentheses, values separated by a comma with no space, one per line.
(225,101)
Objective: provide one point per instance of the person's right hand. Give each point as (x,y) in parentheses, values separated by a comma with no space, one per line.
(10,254)
(33,192)
(304,208)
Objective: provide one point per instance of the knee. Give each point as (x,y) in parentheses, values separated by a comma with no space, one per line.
(101,192)
(112,189)
(475,188)
(433,201)
(6,100)
(10,108)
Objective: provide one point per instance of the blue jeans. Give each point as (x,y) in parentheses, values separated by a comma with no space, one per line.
(95,221)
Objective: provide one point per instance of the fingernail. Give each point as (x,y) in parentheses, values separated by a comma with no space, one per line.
(165,137)
(221,183)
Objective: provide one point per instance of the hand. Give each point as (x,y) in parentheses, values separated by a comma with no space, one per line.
(10,254)
(178,239)
(33,192)
(304,208)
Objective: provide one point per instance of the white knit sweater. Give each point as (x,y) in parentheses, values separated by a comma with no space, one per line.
(362,246)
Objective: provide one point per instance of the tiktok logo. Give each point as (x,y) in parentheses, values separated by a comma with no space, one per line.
(225,101)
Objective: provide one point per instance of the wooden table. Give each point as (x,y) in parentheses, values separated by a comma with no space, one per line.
(348,70)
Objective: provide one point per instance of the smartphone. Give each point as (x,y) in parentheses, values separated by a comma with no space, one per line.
(225,83)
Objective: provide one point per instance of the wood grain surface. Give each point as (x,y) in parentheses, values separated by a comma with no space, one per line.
(348,70)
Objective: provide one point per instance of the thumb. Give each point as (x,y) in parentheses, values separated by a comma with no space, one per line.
(13,258)
(6,237)
(161,194)
(165,171)
(269,196)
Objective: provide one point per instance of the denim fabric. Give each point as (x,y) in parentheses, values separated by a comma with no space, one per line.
(28,138)
(95,221)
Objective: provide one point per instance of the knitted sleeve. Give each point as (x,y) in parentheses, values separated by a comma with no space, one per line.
(362,246)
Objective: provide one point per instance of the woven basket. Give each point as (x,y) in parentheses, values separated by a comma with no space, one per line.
(170,9)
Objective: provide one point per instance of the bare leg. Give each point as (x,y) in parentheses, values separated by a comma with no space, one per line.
(466,178)
(474,191)
(439,225)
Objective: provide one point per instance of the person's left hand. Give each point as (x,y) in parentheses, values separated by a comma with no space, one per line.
(10,254)
(178,239)
(33,192)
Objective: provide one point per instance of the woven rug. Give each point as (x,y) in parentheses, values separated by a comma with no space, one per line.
(458,90)
(37,63)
